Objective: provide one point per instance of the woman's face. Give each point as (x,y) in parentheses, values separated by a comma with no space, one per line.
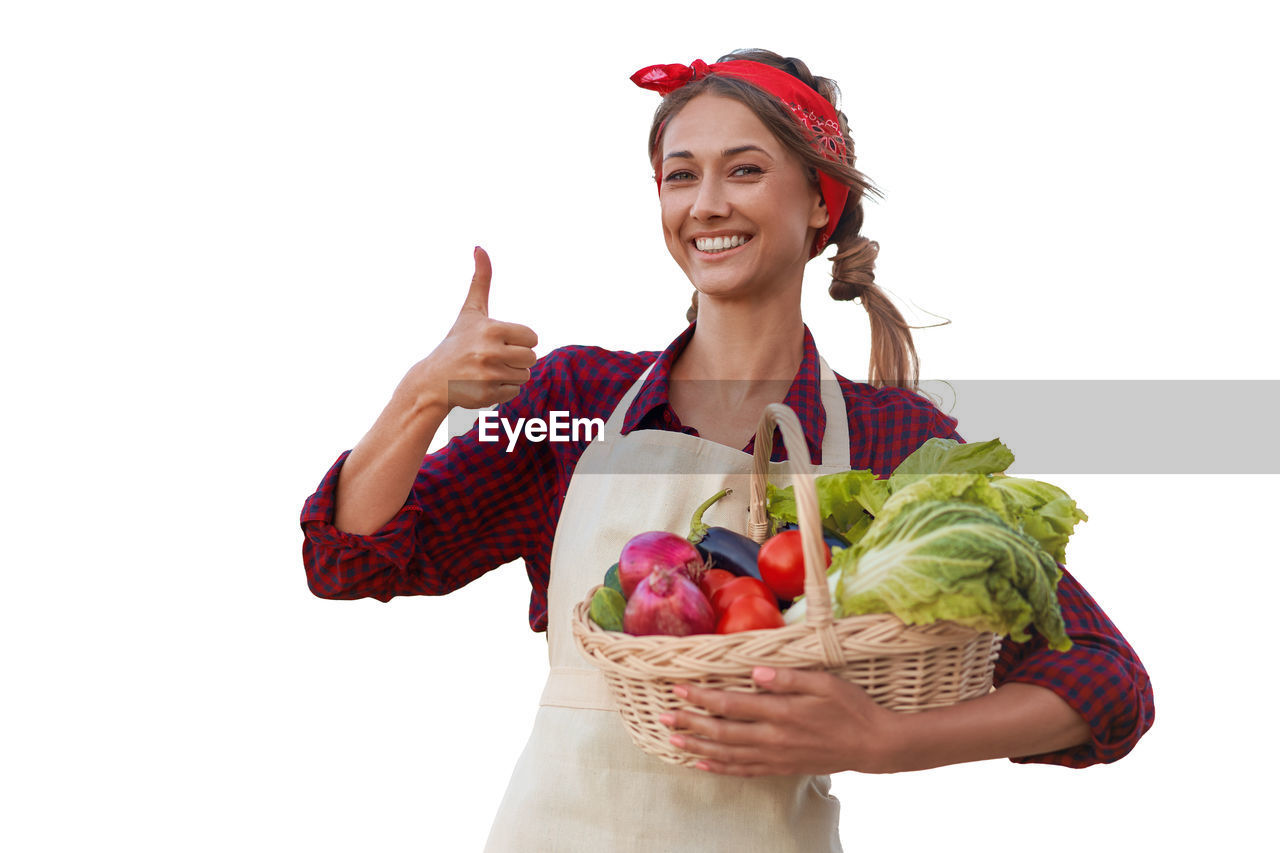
(726,181)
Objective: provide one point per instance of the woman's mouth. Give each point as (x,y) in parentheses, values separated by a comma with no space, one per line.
(715,245)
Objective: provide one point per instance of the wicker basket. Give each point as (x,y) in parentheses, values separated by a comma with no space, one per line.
(904,668)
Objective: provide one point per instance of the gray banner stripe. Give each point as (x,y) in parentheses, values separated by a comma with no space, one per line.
(1121,426)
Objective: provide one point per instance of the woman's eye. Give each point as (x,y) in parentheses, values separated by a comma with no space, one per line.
(746,170)
(677,176)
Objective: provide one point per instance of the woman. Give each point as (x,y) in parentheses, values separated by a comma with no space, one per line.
(756,175)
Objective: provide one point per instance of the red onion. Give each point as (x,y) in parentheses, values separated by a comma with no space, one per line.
(667,602)
(656,549)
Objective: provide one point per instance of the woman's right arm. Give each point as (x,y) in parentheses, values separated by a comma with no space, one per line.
(480,363)
(388,519)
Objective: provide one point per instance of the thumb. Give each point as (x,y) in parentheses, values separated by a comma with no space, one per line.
(478,295)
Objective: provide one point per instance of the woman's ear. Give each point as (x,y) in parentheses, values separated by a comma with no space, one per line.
(820,215)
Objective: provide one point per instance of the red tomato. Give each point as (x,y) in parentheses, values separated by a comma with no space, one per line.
(749,613)
(782,564)
(713,579)
(737,588)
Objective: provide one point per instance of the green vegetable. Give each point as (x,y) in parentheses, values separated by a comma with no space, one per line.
(947,559)
(847,500)
(948,456)
(1044,511)
(947,536)
(611,579)
(607,607)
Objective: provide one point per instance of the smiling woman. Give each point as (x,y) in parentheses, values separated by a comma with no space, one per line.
(755,171)
(817,135)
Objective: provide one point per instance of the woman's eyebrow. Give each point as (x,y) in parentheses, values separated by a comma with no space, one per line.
(728,152)
(734,152)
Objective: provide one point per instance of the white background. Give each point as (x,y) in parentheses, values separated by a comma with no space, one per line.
(227,229)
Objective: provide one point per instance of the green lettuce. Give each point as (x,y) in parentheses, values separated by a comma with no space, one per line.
(949,559)
(1043,511)
(948,456)
(847,501)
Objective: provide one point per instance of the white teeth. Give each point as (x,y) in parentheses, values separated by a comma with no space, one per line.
(719,244)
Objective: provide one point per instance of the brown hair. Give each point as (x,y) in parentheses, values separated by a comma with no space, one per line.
(893,355)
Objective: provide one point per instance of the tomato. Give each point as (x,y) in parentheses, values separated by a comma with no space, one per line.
(749,613)
(782,564)
(713,579)
(738,588)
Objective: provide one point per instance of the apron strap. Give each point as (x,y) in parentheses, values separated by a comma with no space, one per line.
(613,427)
(835,437)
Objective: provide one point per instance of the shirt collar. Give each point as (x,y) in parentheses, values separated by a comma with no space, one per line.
(651,407)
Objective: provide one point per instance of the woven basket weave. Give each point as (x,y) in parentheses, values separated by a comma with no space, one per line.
(903,668)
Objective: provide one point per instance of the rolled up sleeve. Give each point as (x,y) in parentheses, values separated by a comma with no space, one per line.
(474,506)
(1100,677)
(347,565)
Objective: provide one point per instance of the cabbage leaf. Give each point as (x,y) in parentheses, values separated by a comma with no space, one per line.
(847,501)
(948,456)
(1043,511)
(947,559)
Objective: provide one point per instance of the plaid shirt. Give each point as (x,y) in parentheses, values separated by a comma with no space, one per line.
(475,507)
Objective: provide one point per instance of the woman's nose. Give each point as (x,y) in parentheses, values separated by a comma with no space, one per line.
(711,202)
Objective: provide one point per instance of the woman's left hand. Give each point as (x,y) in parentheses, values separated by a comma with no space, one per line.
(805,722)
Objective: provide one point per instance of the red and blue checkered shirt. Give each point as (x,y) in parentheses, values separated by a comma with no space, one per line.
(475,507)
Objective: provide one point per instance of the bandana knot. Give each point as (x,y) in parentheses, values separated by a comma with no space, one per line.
(665,79)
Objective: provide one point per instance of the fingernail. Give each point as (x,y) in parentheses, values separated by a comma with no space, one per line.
(701,765)
(763,674)
(677,741)
(682,692)
(666,719)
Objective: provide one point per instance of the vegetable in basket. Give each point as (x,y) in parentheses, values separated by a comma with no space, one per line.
(611,579)
(645,552)
(782,564)
(1041,510)
(833,540)
(667,602)
(712,580)
(948,456)
(607,607)
(945,559)
(947,536)
(741,588)
(749,613)
(847,502)
(721,547)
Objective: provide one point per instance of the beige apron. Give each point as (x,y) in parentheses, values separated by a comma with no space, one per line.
(581,784)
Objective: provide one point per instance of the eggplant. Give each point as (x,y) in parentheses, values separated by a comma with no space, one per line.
(733,552)
(722,547)
(833,540)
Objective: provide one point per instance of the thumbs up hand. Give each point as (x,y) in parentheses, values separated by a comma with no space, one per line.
(481,362)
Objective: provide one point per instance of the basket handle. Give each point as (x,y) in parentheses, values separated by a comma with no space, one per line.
(815,575)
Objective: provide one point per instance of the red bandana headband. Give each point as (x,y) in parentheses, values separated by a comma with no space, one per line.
(812,112)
